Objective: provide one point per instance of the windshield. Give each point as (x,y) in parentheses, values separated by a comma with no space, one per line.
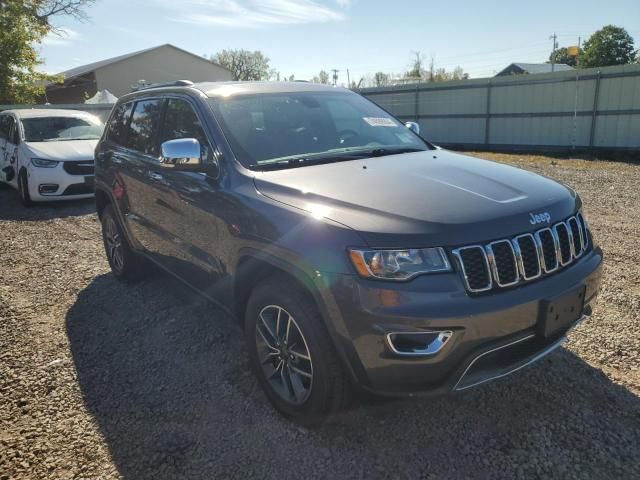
(51,129)
(290,128)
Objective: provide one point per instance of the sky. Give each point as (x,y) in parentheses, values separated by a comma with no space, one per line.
(302,37)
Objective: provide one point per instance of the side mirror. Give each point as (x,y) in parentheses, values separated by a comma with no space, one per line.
(413,126)
(181,154)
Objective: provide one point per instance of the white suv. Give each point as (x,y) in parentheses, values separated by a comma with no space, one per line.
(48,154)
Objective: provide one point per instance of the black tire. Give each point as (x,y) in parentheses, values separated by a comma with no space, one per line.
(329,389)
(125,264)
(23,189)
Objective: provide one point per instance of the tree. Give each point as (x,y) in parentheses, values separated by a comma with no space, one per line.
(381,79)
(243,64)
(442,75)
(322,77)
(416,70)
(610,45)
(561,55)
(23,24)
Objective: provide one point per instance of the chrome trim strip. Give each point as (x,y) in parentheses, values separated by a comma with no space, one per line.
(584,230)
(579,253)
(516,243)
(543,260)
(431,349)
(559,252)
(535,358)
(466,370)
(456,253)
(494,266)
(582,234)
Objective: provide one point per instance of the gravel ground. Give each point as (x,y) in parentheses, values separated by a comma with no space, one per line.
(99,380)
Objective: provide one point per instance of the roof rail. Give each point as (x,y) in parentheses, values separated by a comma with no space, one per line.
(175,83)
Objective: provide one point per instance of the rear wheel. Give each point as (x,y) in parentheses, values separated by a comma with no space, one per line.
(23,189)
(292,354)
(124,262)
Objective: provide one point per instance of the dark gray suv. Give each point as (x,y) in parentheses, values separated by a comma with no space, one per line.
(353,252)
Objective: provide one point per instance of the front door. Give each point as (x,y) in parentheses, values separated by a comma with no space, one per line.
(185,203)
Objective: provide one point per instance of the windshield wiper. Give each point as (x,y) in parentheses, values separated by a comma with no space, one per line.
(381,152)
(304,161)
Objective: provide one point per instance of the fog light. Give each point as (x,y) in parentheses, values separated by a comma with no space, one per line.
(47,188)
(416,344)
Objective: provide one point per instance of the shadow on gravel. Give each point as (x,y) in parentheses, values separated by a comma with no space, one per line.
(164,375)
(12,209)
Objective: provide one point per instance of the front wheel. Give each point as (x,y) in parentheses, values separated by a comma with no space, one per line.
(292,354)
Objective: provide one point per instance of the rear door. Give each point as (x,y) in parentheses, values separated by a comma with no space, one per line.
(132,137)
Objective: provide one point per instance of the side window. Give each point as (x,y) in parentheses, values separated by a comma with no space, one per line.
(4,126)
(118,125)
(12,131)
(180,121)
(15,133)
(143,129)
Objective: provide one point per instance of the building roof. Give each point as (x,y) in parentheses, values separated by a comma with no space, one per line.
(91,67)
(533,68)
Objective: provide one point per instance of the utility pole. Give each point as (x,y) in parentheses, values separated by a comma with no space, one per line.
(348,79)
(335,76)
(553,37)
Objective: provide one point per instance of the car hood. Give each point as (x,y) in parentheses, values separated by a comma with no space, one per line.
(63,150)
(426,198)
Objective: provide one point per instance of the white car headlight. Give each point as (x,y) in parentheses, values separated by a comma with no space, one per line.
(43,163)
(399,264)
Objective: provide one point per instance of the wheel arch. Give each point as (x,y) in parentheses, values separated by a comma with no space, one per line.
(102,199)
(254,266)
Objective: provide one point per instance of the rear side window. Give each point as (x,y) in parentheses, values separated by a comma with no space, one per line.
(12,135)
(4,126)
(119,123)
(143,129)
(181,121)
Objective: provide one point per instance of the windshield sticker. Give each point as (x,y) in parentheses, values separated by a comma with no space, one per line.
(380,121)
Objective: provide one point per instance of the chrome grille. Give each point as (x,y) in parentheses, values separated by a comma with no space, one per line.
(508,262)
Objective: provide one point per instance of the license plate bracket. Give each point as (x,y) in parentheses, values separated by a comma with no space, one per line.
(559,313)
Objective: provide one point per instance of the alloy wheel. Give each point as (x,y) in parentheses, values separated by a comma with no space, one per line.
(113,244)
(284,354)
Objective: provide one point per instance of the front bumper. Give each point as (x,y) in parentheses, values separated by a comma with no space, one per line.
(68,186)
(491,335)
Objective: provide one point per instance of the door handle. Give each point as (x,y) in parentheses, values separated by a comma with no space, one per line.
(156,177)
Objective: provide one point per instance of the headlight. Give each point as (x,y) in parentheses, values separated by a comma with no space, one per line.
(43,163)
(399,264)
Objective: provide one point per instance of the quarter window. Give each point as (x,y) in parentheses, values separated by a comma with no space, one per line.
(180,121)
(142,135)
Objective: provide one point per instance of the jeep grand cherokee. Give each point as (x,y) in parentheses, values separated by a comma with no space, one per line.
(353,252)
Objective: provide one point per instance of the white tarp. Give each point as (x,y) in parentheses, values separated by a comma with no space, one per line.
(103,96)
